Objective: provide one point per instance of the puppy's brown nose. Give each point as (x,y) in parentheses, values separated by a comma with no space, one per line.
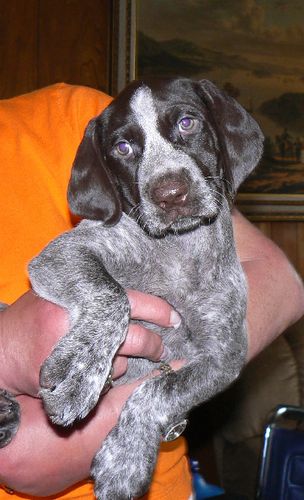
(170,194)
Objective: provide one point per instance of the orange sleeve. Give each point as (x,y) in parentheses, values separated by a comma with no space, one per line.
(40,133)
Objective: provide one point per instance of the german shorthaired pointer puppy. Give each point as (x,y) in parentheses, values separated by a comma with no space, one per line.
(154,179)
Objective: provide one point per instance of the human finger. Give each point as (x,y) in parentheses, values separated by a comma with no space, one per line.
(120,366)
(152,309)
(141,342)
(119,393)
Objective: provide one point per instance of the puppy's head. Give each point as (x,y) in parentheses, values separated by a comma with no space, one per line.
(169,153)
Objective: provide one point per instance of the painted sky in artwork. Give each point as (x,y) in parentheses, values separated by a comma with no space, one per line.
(265,36)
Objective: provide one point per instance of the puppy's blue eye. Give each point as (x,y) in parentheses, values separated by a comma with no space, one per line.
(123,148)
(187,125)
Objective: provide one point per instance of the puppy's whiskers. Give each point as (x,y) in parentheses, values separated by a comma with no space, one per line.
(223,180)
(133,211)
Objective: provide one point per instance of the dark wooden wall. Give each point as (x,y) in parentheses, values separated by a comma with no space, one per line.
(47,41)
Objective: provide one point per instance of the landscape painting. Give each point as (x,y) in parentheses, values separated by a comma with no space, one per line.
(254,50)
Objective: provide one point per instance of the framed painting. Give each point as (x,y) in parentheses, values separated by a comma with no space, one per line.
(252,49)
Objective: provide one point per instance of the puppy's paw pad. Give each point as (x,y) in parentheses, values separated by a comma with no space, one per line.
(9,418)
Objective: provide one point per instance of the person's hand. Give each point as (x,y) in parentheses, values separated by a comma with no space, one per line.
(31,327)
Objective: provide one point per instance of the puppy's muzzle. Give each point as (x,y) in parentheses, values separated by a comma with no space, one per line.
(171,194)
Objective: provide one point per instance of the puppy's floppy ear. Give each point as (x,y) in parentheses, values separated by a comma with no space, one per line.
(91,192)
(240,137)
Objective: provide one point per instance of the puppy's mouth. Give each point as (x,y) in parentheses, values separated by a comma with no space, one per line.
(194,219)
(184,223)
(160,224)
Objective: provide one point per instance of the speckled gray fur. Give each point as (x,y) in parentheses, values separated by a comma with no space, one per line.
(190,261)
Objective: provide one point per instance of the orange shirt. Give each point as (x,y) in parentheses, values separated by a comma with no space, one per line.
(40,133)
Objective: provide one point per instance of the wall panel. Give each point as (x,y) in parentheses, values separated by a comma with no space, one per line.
(73,42)
(18,46)
(47,41)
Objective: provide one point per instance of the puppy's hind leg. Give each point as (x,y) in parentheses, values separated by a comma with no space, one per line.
(9,417)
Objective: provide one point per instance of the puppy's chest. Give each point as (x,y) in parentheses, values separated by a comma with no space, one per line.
(170,272)
(175,269)
(175,277)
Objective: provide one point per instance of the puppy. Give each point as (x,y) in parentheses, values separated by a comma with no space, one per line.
(154,179)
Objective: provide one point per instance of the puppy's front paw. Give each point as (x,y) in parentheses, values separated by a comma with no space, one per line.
(72,379)
(123,468)
(73,376)
(9,417)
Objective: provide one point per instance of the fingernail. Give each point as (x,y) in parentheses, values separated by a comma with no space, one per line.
(175,319)
(165,354)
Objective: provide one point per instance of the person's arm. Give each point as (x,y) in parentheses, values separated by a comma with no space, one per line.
(42,459)
(275,291)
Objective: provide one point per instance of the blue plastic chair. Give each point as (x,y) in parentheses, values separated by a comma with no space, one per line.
(281,474)
(201,488)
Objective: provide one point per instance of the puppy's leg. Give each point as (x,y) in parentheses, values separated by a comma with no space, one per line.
(9,417)
(73,376)
(124,466)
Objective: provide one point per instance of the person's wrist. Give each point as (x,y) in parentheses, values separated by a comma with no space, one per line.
(30,327)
